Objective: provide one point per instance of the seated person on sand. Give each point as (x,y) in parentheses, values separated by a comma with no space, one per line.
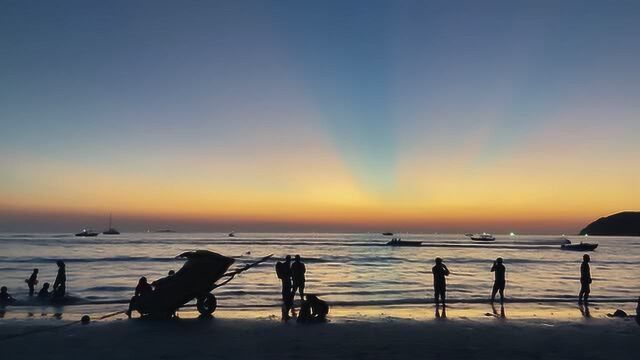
(44,292)
(313,310)
(5,298)
(142,290)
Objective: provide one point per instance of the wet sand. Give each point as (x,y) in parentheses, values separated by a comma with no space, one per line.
(352,333)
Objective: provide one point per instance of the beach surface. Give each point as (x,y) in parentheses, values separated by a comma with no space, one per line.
(344,337)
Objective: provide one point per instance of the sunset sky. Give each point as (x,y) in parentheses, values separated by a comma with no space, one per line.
(318,116)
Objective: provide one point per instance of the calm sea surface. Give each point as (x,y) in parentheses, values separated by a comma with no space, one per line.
(346,269)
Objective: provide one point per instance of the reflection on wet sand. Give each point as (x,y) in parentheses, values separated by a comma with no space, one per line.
(495,311)
(584,310)
(443,314)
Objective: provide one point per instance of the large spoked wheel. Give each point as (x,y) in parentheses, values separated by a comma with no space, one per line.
(207,304)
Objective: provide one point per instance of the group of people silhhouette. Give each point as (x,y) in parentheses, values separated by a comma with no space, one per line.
(440,272)
(59,286)
(292,278)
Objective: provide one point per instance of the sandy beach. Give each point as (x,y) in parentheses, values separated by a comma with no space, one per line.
(349,335)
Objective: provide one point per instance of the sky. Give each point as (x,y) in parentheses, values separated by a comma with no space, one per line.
(443,116)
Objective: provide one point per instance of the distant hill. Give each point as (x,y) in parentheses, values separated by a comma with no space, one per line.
(626,223)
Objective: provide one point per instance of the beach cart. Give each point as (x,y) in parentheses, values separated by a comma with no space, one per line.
(195,280)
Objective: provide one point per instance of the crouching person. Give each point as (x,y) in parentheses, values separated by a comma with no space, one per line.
(143,290)
(313,310)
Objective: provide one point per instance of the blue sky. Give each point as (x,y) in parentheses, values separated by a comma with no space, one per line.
(143,85)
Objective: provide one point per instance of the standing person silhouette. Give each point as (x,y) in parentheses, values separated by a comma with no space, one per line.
(32,281)
(297,274)
(60,284)
(585,280)
(499,282)
(283,270)
(440,271)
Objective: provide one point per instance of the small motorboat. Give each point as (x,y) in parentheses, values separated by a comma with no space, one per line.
(579,247)
(483,237)
(387,233)
(400,242)
(231,234)
(87,233)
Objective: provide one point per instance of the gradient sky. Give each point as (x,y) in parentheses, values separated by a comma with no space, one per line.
(328,115)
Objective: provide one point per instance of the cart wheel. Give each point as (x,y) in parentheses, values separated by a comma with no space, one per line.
(207,304)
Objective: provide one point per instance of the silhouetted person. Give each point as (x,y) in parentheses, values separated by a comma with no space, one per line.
(499,282)
(297,275)
(60,284)
(440,271)
(585,280)
(143,289)
(313,310)
(44,292)
(32,281)
(5,298)
(283,270)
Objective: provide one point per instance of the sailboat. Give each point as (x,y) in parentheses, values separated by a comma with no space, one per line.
(111,230)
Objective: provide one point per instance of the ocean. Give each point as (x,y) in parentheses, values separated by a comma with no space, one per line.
(348,270)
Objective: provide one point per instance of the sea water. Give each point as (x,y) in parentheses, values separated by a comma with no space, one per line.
(348,270)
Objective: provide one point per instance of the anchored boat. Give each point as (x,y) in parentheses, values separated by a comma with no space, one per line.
(87,233)
(483,237)
(579,247)
(400,242)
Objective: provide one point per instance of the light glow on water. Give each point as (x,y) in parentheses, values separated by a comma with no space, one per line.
(349,270)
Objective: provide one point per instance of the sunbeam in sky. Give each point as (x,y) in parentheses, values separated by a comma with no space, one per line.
(431,116)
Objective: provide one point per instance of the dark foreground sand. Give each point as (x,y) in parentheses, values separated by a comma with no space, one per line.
(270,339)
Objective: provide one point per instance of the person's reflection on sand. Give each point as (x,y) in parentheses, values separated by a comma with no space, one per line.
(584,309)
(443,314)
(495,311)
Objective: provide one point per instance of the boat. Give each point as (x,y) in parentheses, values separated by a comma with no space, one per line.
(468,234)
(87,233)
(400,242)
(387,233)
(111,230)
(483,237)
(164,231)
(231,234)
(579,247)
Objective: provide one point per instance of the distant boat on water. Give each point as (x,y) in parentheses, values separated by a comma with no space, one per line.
(387,233)
(164,231)
(400,242)
(87,233)
(483,237)
(579,247)
(231,234)
(111,230)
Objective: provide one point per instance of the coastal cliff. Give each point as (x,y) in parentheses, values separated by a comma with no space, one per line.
(626,223)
